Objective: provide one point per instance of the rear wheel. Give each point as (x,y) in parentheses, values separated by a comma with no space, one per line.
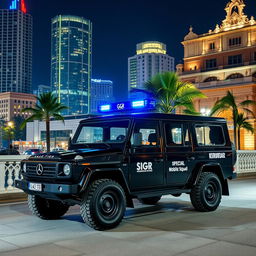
(45,208)
(104,204)
(207,193)
(150,200)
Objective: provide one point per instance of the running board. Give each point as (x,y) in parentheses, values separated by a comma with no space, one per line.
(147,194)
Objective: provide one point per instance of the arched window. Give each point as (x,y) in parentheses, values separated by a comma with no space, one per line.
(211,79)
(235,76)
(235,9)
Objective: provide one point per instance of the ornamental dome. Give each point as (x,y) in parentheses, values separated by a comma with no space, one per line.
(191,35)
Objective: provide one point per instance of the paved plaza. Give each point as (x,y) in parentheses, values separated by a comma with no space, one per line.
(170,228)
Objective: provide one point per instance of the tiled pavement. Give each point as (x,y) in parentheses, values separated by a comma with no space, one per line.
(170,228)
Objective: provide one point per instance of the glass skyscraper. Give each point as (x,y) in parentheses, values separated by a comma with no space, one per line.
(15,48)
(101,93)
(71,62)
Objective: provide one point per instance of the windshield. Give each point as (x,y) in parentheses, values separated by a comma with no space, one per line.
(103,133)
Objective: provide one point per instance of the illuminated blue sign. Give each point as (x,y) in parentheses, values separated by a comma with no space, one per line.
(14,5)
(128,106)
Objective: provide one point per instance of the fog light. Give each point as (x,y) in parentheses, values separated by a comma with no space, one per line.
(67,169)
(24,168)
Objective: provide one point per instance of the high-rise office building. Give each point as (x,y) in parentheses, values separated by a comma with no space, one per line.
(15,48)
(151,58)
(71,62)
(42,89)
(101,93)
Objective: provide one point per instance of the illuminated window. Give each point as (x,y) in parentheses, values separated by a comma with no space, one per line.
(235,41)
(212,63)
(212,46)
(234,60)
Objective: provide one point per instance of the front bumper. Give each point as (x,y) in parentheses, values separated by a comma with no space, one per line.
(47,188)
(234,176)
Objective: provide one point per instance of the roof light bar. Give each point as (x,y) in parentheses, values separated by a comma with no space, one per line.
(105,108)
(138,104)
(134,105)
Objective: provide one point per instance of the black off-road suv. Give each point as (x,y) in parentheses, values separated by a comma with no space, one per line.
(114,159)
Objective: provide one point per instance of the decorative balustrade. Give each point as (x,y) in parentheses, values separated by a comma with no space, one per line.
(10,169)
(246,162)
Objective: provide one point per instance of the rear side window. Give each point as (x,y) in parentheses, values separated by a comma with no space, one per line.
(209,135)
(177,134)
(174,134)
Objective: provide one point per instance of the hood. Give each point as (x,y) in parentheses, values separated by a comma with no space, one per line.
(76,154)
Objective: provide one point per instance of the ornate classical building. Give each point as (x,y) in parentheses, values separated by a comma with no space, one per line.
(223,59)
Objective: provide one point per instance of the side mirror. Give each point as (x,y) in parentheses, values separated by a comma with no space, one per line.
(129,147)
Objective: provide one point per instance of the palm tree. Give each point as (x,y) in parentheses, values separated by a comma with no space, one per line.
(228,103)
(171,93)
(9,132)
(46,108)
(242,123)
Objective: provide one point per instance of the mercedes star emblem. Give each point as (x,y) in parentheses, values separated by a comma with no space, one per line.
(39,169)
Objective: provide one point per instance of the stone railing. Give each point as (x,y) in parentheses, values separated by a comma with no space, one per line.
(246,162)
(9,171)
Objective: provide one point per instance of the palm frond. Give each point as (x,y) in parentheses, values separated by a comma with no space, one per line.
(247,103)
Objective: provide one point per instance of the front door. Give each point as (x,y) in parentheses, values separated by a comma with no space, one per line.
(178,153)
(146,158)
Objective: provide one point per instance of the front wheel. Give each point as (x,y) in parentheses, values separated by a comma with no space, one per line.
(207,193)
(104,204)
(45,208)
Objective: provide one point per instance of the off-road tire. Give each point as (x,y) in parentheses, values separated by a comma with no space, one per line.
(103,205)
(207,193)
(46,209)
(150,200)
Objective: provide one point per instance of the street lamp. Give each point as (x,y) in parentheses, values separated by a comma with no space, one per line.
(10,124)
(205,111)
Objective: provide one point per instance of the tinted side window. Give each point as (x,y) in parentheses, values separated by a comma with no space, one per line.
(174,134)
(177,134)
(210,135)
(145,134)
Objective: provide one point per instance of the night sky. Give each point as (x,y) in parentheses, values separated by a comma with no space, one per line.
(119,25)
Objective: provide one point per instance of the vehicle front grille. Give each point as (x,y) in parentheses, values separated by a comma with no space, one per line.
(49,170)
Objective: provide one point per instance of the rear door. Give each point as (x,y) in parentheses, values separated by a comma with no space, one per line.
(213,144)
(178,153)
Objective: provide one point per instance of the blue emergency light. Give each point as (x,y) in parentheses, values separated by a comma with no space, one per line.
(135,105)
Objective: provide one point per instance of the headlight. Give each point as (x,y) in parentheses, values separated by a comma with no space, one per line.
(24,167)
(67,169)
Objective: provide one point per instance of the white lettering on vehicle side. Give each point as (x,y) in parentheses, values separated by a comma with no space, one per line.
(120,106)
(145,167)
(178,166)
(217,155)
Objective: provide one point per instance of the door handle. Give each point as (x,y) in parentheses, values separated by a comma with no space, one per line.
(159,160)
(191,158)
